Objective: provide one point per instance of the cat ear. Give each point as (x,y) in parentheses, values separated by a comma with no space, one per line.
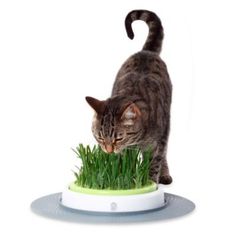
(130,114)
(97,105)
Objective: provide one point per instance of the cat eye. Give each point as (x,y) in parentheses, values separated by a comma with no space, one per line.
(131,133)
(100,139)
(118,140)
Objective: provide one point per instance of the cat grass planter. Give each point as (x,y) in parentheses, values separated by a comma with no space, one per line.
(113,182)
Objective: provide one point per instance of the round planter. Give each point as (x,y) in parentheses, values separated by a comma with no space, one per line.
(132,200)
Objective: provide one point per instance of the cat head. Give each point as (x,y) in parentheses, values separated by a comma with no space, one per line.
(116,124)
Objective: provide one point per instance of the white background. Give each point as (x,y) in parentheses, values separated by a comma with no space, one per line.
(54,53)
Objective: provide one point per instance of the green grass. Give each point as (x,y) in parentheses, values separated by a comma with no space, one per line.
(100,170)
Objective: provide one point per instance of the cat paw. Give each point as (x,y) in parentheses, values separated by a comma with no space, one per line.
(165,179)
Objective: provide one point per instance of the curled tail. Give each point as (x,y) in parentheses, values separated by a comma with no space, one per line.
(155,36)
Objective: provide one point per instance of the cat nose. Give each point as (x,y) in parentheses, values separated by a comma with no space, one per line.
(109,148)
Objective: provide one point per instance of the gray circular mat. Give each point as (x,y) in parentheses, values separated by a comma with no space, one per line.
(50,206)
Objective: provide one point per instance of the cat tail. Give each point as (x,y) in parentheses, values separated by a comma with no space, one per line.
(155,35)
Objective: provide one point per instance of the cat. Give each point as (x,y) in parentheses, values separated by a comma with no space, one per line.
(138,111)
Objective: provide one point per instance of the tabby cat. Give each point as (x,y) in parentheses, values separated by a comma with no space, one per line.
(138,111)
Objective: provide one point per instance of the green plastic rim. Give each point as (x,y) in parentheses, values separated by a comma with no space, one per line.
(146,189)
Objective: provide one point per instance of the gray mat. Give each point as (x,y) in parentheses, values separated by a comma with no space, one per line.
(49,206)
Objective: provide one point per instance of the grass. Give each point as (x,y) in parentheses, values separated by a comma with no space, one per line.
(100,170)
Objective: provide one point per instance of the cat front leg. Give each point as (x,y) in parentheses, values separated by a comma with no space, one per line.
(159,171)
(165,177)
(155,168)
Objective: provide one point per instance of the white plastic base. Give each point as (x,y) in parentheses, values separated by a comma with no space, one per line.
(125,203)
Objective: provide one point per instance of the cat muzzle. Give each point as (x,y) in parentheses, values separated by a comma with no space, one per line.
(109,148)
